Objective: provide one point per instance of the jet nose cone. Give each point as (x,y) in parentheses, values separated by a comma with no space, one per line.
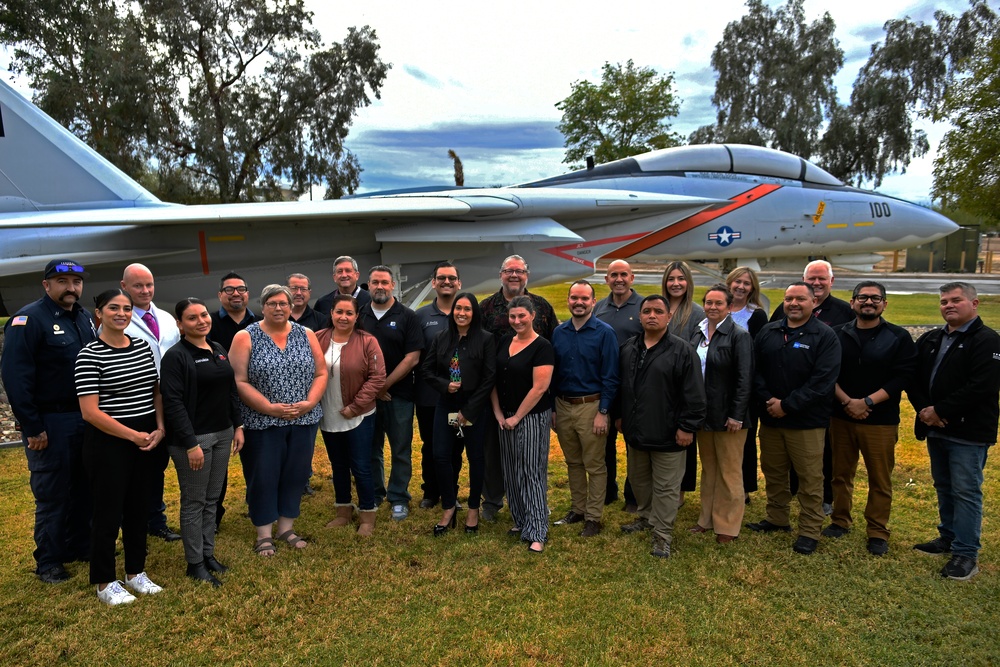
(928,224)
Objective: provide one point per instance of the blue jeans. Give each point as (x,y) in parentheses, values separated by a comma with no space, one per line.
(957,470)
(393,419)
(350,452)
(62,493)
(276,467)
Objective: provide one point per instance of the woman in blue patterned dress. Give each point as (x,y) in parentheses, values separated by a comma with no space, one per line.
(281,377)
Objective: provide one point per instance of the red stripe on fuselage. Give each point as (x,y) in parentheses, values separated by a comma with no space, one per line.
(560,251)
(687,224)
(203,248)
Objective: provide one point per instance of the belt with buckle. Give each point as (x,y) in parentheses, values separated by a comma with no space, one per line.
(578,400)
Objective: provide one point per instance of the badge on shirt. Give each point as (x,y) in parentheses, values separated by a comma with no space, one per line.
(19,321)
(392,325)
(801,345)
(57,330)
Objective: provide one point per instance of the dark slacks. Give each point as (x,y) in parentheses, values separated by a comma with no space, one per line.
(428,467)
(62,493)
(200,491)
(276,466)
(120,475)
(448,446)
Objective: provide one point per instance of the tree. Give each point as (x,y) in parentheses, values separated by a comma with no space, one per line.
(625,115)
(908,75)
(459,170)
(243,94)
(91,64)
(966,170)
(775,85)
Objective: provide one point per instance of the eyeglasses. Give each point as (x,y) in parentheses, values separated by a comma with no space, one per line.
(276,304)
(299,289)
(446,279)
(242,289)
(874,298)
(514,272)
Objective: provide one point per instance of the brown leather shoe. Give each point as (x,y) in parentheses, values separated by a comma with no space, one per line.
(697,529)
(725,539)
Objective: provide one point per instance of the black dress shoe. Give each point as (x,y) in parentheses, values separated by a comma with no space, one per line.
(571,517)
(54,575)
(200,572)
(805,545)
(213,565)
(765,526)
(165,534)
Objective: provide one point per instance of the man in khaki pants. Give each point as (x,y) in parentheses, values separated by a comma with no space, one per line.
(797,364)
(584,383)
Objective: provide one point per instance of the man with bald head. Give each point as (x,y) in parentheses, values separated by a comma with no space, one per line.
(620,309)
(828,309)
(158,328)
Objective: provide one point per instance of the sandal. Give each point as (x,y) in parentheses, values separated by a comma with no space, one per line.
(293,540)
(264,544)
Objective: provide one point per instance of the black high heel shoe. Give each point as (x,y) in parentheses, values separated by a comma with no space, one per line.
(472,529)
(440,530)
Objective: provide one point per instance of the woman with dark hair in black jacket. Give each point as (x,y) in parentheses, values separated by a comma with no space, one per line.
(461,366)
(201,409)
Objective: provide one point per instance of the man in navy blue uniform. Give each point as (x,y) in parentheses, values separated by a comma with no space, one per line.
(41,343)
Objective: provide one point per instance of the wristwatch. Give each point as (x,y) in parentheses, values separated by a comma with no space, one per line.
(869,402)
(603,411)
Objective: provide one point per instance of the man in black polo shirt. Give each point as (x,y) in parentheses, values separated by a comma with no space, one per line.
(301,289)
(397,330)
(234,315)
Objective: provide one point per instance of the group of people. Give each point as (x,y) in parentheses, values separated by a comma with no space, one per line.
(106,400)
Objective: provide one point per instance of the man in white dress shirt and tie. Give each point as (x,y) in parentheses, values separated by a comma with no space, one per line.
(158,328)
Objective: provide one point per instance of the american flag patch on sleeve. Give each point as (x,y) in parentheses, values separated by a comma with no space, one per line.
(19,321)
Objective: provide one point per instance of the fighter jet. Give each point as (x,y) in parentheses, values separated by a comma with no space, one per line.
(733,203)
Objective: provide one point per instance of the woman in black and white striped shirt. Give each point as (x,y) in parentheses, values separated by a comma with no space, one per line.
(116,381)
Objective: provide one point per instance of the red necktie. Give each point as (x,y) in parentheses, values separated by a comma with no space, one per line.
(151,323)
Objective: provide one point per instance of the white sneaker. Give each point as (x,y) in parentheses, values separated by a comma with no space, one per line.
(114,594)
(140,583)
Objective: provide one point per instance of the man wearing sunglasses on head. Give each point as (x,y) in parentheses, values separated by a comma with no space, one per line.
(41,343)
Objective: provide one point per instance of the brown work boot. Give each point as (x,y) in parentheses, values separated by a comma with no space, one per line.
(344,515)
(367,523)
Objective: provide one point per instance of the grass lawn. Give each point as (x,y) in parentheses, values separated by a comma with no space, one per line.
(404,597)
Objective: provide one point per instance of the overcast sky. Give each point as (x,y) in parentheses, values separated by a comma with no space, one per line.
(483,78)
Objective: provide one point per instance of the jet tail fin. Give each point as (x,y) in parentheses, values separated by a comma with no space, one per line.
(43,166)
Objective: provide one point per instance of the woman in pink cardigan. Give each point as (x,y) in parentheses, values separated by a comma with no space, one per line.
(357,374)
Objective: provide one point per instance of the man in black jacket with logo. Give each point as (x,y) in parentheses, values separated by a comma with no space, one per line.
(956,394)
(662,398)
(797,363)
(876,364)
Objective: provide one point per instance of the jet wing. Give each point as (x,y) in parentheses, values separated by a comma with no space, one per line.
(528,204)
(27,265)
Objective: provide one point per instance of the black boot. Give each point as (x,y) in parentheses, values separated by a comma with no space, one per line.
(214,565)
(200,572)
